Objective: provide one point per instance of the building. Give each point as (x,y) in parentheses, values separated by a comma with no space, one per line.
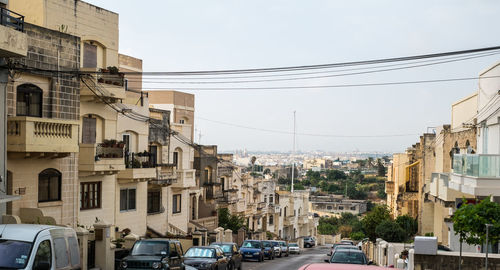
(327,205)
(13,44)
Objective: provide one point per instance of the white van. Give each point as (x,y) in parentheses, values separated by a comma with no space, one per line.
(38,247)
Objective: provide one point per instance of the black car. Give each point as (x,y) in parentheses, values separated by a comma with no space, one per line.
(232,253)
(206,258)
(155,254)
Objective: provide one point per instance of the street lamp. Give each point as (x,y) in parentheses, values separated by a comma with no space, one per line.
(487,249)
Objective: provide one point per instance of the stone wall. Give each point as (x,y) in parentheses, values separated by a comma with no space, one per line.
(50,50)
(449,260)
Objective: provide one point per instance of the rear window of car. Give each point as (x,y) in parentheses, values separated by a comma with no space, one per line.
(14,254)
(251,244)
(348,257)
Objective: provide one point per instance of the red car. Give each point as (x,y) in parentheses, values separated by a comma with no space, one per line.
(327,266)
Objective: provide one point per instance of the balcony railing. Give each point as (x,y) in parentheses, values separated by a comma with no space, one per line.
(108,151)
(11,19)
(480,165)
(33,134)
(140,160)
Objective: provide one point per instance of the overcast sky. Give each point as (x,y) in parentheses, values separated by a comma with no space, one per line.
(189,35)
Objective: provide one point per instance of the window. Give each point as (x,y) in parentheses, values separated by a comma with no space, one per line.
(181,121)
(223,182)
(89,55)
(329,207)
(29,100)
(271,199)
(353,207)
(49,186)
(127,199)
(172,250)
(43,255)
(154,201)
(90,195)
(176,159)
(60,247)
(271,220)
(176,204)
(88,130)
(265,198)
(341,208)
(74,251)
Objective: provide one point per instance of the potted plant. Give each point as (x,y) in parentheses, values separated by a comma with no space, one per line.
(113,70)
(100,80)
(121,144)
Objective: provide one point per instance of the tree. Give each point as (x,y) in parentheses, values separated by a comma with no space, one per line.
(267,171)
(228,221)
(252,161)
(470,220)
(390,231)
(380,168)
(345,231)
(335,175)
(326,228)
(370,222)
(381,194)
(356,236)
(408,224)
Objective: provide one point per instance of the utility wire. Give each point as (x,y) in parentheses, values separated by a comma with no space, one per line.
(314,77)
(325,86)
(305,134)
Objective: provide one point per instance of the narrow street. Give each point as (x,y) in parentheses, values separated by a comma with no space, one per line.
(292,262)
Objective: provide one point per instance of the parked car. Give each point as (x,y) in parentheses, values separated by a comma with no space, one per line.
(349,256)
(268,250)
(293,248)
(347,241)
(27,246)
(232,253)
(276,248)
(325,266)
(284,248)
(206,258)
(252,250)
(309,242)
(156,253)
(334,246)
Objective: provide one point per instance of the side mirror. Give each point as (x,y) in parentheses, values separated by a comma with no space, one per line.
(327,261)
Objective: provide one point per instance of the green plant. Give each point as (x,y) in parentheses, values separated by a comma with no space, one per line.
(113,70)
(370,222)
(357,236)
(429,234)
(136,163)
(390,231)
(118,242)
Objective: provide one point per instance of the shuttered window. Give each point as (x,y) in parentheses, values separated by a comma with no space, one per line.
(127,199)
(89,55)
(90,195)
(176,204)
(88,130)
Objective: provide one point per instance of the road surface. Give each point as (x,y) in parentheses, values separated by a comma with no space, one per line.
(292,262)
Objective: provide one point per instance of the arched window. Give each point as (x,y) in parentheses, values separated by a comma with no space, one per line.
(49,185)
(29,100)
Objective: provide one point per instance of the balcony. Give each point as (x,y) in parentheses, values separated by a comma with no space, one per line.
(100,158)
(138,167)
(41,135)
(225,171)
(476,174)
(389,187)
(185,179)
(13,42)
(303,220)
(166,174)
(101,86)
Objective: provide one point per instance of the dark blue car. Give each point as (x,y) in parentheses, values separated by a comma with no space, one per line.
(268,250)
(252,250)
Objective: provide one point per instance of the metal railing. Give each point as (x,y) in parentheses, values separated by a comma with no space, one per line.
(11,19)
(103,151)
(140,160)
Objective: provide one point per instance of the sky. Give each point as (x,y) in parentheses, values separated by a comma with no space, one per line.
(190,35)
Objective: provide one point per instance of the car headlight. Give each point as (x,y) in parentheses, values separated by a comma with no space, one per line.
(205,264)
(123,265)
(156,265)
(256,253)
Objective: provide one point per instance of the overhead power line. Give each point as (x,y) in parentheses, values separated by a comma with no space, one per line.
(306,134)
(373,70)
(325,86)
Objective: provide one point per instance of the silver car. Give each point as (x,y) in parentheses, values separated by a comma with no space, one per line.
(293,248)
(284,249)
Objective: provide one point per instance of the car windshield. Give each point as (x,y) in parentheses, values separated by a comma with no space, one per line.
(266,244)
(293,245)
(150,248)
(348,257)
(275,244)
(283,244)
(225,248)
(14,254)
(200,253)
(251,244)
(345,247)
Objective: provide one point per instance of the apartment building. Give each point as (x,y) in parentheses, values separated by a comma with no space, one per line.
(42,128)
(327,205)
(14,45)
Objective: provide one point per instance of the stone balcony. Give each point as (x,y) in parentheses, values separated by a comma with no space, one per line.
(102,87)
(96,158)
(41,135)
(477,175)
(166,174)
(13,41)
(185,179)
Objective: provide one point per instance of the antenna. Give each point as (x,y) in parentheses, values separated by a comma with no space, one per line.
(293,151)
